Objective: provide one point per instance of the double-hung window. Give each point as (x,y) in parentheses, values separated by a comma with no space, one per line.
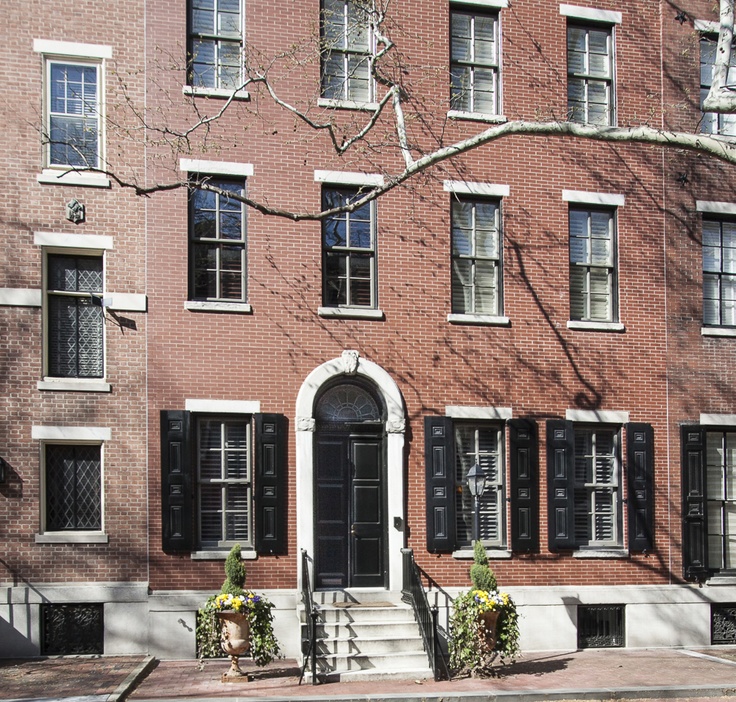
(347,51)
(593,282)
(217,235)
(590,74)
(348,251)
(75,319)
(720,471)
(719,272)
(714,122)
(476,256)
(224,481)
(216,44)
(474,62)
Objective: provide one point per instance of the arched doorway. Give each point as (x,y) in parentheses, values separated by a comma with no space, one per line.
(350,474)
(349,488)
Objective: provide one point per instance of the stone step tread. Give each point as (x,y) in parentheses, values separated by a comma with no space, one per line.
(356,675)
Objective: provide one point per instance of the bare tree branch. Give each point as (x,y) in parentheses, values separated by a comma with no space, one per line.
(722,96)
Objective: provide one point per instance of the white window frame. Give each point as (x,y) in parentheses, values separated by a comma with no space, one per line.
(72,245)
(94,55)
(73,436)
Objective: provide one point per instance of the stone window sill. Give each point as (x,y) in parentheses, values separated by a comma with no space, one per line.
(486,319)
(74,385)
(60,176)
(466,554)
(223,93)
(76,537)
(718,331)
(596,326)
(232,307)
(477,116)
(350,312)
(218,555)
(601,553)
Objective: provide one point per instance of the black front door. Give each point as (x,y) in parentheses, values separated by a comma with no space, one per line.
(349,510)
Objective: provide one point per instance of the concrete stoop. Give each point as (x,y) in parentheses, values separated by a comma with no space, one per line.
(366,635)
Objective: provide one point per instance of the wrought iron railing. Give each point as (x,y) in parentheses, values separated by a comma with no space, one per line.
(414,593)
(309,645)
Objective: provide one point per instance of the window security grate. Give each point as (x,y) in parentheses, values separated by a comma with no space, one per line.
(72,629)
(723,624)
(601,626)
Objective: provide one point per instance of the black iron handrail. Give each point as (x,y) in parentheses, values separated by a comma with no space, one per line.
(414,592)
(312,613)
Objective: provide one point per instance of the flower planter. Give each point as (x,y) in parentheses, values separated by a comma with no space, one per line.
(234,639)
(488,622)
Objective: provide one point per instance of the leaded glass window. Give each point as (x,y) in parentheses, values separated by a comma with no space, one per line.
(347,402)
(590,74)
(73,487)
(476,257)
(224,480)
(592,265)
(75,316)
(474,65)
(719,272)
(218,243)
(216,44)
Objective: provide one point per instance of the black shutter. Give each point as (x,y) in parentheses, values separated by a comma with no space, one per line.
(694,526)
(439,452)
(560,484)
(176,481)
(524,485)
(640,483)
(270,484)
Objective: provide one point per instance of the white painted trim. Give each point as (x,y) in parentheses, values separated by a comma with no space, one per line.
(21,297)
(245,555)
(589,13)
(72,48)
(196,91)
(723,332)
(73,241)
(487,319)
(598,416)
(90,179)
(348,178)
(347,104)
(602,552)
(395,458)
(499,4)
(128,302)
(596,326)
(707,26)
(195,165)
(223,406)
(710,207)
(464,188)
(64,537)
(212,306)
(586,198)
(350,312)
(74,385)
(477,116)
(56,433)
(721,420)
(468,412)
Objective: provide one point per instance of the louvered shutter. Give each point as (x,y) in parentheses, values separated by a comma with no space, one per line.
(440,484)
(270,484)
(640,484)
(694,526)
(176,481)
(560,484)
(524,485)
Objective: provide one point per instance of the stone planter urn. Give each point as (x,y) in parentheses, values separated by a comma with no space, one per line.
(234,639)
(488,624)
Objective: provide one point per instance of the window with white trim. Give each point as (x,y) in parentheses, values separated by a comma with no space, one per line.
(217,236)
(348,48)
(481,443)
(474,61)
(216,44)
(590,73)
(593,284)
(348,251)
(74,315)
(714,122)
(597,485)
(476,256)
(224,490)
(719,272)
(73,487)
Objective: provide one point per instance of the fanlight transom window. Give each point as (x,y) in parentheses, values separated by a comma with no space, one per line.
(347,403)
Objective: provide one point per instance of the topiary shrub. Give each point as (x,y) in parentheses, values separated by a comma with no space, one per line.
(481,574)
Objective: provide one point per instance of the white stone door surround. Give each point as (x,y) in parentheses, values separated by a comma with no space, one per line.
(350,364)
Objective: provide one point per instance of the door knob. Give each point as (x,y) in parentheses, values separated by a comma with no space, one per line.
(352,529)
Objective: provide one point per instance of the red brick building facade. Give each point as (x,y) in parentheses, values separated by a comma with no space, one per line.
(556,310)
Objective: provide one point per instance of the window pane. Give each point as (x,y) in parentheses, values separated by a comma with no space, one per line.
(73,488)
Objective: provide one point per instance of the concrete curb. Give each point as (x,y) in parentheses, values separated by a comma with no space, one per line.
(134,677)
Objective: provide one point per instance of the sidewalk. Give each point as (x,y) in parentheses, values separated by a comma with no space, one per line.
(600,674)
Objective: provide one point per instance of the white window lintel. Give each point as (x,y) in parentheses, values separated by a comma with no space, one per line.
(709,207)
(347,178)
(73,241)
(590,13)
(718,419)
(56,433)
(498,4)
(21,297)
(223,406)
(464,188)
(194,165)
(468,412)
(588,198)
(72,49)
(598,416)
